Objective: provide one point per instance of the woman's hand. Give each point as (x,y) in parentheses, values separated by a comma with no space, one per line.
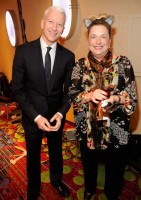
(108,103)
(99,95)
(96,96)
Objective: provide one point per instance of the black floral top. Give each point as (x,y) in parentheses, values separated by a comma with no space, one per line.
(89,74)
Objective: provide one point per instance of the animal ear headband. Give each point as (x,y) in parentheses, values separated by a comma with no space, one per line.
(103,17)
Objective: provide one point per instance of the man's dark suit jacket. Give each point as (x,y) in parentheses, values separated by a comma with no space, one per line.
(29,83)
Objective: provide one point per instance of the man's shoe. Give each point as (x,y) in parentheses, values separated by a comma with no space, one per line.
(62,189)
(32,198)
(88,195)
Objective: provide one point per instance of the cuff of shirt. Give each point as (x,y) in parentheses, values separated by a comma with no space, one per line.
(60,114)
(35,120)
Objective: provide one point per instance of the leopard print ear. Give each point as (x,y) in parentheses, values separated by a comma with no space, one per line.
(110,20)
(87,22)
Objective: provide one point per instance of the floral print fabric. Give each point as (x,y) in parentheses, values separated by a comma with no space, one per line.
(115,73)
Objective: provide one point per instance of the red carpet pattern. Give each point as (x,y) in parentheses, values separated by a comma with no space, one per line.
(13,168)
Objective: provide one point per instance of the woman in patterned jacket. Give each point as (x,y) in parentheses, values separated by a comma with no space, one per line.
(104,97)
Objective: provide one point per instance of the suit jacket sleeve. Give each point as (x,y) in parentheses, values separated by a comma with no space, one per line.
(65,103)
(19,84)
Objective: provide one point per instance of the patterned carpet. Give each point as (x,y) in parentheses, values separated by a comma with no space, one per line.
(13,168)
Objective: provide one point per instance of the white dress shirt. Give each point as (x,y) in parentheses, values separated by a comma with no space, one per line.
(52,56)
(52,52)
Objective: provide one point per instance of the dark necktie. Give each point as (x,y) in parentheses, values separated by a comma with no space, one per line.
(48,66)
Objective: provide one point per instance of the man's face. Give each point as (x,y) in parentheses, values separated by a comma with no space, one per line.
(52,26)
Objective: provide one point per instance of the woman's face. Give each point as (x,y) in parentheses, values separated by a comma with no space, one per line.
(99,41)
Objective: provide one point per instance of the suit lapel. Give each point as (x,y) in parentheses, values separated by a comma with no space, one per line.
(39,61)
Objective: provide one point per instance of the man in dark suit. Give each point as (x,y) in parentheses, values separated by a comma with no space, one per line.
(44,104)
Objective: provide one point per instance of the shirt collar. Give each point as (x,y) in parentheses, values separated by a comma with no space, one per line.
(44,45)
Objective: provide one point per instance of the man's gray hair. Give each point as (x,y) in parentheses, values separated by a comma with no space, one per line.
(60,9)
